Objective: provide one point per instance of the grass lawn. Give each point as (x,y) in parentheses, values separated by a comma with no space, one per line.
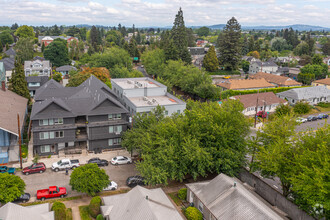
(84,214)
(40,54)
(175,198)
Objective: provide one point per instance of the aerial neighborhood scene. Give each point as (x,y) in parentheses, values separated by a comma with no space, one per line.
(164,110)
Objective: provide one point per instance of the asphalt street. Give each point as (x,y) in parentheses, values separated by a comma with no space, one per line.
(37,181)
(313,125)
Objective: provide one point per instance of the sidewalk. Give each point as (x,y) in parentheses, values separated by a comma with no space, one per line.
(83,158)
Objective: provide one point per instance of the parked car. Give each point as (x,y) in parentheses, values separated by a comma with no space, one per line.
(301,120)
(98,161)
(111,186)
(5,169)
(134,181)
(311,118)
(121,160)
(34,168)
(51,192)
(23,198)
(322,115)
(65,164)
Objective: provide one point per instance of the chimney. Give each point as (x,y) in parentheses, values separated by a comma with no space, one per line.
(234,184)
(147,198)
(3,85)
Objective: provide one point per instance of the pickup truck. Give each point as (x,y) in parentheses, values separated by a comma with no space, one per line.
(65,164)
(52,192)
(5,169)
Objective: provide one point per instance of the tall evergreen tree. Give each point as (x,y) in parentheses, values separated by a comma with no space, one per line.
(24,49)
(56,31)
(311,42)
(94,36)
(179,37)
(1,47)
(210,62)
(251,44)
(171,52)
(229,43)
(132,48)
(18,83)
(245,46)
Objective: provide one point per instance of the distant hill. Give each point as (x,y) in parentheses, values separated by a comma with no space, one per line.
(299,27)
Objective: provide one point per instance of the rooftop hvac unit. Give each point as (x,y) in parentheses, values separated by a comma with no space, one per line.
(154,100)
(145,98)
(129,81)
(149,102)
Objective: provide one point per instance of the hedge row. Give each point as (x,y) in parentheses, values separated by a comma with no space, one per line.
(228,93)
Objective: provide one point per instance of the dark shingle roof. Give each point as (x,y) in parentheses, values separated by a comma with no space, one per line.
(92,97)
(11,52)
(9,63)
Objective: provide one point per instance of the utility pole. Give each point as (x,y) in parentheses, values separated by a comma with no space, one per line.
(263,119)
(19,142)
(255,117)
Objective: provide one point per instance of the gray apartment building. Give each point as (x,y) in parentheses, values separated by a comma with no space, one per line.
(87,117)
(144,94)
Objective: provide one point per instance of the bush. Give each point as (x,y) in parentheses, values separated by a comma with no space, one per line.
(69,214)
(99,217)
(94,206)
(302,108)
(193,213)
(59,210)
(324,104)
(283,110)
(182,194)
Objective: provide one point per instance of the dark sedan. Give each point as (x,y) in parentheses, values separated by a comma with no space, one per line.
(23,198)
(322,115)
(134,181)
(311,118)
(98,161)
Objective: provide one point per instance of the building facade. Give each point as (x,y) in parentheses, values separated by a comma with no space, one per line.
(266,67)
(87,117)
(37,68)
(140,95)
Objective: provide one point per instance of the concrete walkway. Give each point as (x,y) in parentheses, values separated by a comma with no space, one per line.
(74,205)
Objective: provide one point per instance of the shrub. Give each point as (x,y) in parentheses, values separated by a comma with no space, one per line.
(69,214)
(99,217)
(59,210)
(94,206)
(324,104)
(193,213)
(182,194)
(302,108)
(283,110)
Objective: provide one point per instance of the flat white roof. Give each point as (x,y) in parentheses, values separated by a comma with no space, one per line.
(153,101)
(138,83)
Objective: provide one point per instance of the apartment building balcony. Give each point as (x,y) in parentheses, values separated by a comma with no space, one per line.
(81,121)
(81,134)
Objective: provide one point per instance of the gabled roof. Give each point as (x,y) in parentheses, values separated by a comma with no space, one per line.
(306,93)
(265,98)
(140,204)
(86,99)
(246,84)
(9,63)
(227,198)
(11,211)
(323,81)
(10,52)
(11,104)
(265,64)
(278,80)
(65,68)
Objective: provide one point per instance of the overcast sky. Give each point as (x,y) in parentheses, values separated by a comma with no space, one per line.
(162,12)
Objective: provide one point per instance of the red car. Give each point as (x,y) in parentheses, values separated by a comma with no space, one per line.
(52,192)
(34,168)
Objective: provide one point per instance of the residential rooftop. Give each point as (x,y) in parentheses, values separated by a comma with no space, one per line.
(278,80)
(136,83)
(154,100)
(265,98)
(306,93)
(323,81)
(246,84)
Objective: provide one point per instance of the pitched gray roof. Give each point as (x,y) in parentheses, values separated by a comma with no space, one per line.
(12,211)
(265,64)
(65,68)
(135,206)
(10,52)
(228,201)
(306,93)
(92,97)
(9,63)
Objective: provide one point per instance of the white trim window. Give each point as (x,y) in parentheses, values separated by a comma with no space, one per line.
(115,129)
(200,206)
(58,121)
(46,135)
(59,134)
(45,148)
(114,116)
(114,141)
(34,84)
(50,121)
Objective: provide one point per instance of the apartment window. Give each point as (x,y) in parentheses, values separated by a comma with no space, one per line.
(59,134)
(46,135)
(166,112)
(114,116)
(45,149)
(200,206)
(43,122)
(115,129)
(34,84)
(58,121)
(114,141)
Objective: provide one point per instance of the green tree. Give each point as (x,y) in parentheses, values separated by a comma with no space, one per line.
(11,187)
(317,59)
(94,207)
(57,76)
(193,213)
(153,61)
(326,48)
(110,58)
(132,48)
(42,47)
(282,110)
(56,31)
(94,38)
(302,49)
(279,44)
(89,179)
(275,155)
(302,108)
(210,61)
(179,36)
(123,72)
(203,31)
(24,49)
(171,52)
(245,66)
(229,43)
(319,71)
(18,83)
(6,38)
(59,210)
(25,32)
(57,53)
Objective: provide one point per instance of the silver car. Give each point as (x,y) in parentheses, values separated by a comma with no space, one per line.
(121,160)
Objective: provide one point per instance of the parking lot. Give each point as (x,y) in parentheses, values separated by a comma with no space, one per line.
(313,125)
(38,181)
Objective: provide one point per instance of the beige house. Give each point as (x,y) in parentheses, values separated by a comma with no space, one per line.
(279,81)
(245,84)
(322,82)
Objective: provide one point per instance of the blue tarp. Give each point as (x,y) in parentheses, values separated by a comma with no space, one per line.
(4,158)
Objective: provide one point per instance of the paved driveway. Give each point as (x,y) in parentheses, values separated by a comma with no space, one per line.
(37,181)
(313,125)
